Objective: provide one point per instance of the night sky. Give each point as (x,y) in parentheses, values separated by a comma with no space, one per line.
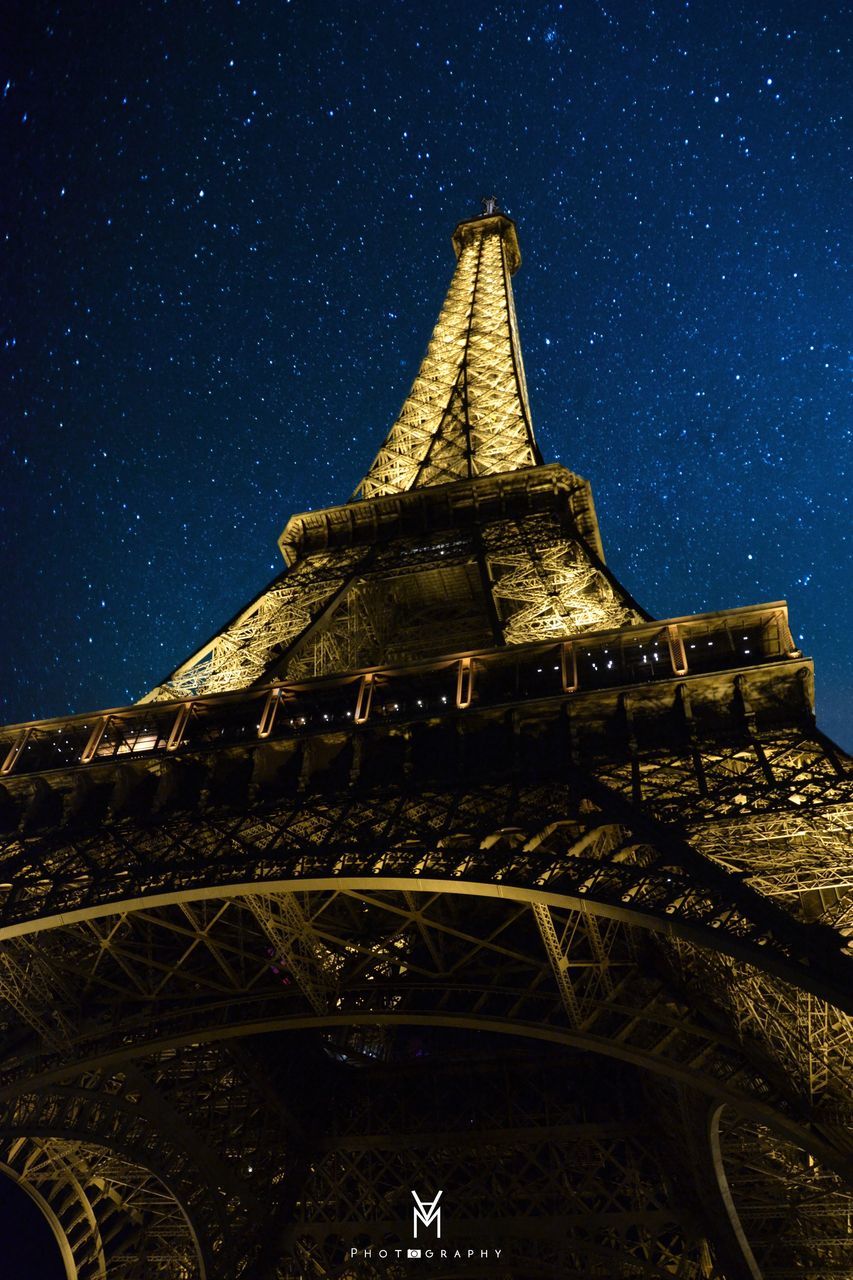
(227,239)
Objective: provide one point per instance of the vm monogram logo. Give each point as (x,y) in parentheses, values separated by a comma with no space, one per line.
(426,1213)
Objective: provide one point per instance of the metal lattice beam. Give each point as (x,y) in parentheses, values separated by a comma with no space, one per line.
(467,413)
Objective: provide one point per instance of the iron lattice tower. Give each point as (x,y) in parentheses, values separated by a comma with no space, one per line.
(443,865)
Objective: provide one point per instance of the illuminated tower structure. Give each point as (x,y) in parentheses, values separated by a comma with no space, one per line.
(443,866)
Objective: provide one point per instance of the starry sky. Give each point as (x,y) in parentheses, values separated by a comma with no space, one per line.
(227,232)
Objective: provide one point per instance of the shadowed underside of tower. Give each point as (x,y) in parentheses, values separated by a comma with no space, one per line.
(442,866)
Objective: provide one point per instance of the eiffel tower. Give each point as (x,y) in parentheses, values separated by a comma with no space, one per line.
(442,867)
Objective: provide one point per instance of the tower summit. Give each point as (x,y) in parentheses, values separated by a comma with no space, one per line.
(443,867)
(467,413)
(511,551)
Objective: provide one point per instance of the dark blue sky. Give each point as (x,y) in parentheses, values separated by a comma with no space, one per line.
(227,239)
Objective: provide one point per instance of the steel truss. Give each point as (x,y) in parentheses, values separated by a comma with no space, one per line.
(467,413)
(441,866)
(587,1180)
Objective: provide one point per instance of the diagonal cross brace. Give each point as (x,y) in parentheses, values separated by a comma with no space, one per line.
(293,940)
